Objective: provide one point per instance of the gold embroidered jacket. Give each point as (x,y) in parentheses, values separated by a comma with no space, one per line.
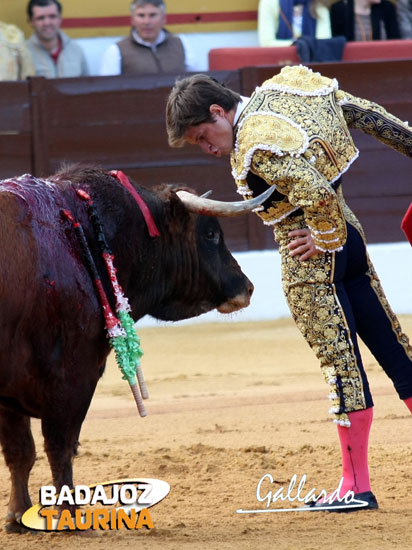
(294,133)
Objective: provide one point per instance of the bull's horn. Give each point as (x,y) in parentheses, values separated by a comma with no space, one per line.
(209,207)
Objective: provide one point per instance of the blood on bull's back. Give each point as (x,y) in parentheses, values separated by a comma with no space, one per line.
(52,340)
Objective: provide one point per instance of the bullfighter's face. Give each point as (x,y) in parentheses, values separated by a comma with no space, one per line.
(46,22)
(214,138)
(148,21)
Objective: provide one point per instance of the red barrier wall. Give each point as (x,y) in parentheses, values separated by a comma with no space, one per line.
(236,58)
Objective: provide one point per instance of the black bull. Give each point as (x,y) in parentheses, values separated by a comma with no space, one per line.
(53,346)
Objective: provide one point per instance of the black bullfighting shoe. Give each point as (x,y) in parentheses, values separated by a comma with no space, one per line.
(360,501)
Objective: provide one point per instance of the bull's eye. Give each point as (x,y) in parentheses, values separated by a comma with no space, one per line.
(212,236)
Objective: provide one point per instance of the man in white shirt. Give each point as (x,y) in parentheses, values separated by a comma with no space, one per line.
(149,48)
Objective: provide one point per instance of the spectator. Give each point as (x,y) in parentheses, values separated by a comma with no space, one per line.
(404,10)
(149,49)
(54,53)
(362,20)
(281,22)
(15,59)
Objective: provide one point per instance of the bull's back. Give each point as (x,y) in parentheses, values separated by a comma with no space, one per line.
(48,310)
(18,258)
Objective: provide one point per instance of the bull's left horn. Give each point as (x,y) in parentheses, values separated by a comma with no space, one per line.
(209,207)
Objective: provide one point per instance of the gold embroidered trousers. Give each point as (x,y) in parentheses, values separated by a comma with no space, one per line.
(334,296)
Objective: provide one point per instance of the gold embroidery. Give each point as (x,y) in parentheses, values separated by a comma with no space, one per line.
(301,79)
(329,150)
(376,121)
(318,315)
(301,144)
(294,135)
(265,131)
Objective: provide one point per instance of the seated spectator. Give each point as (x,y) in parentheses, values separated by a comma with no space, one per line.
(54,53)
(281,22)
(149,49)
(15,58)
(404,10)
(360,20)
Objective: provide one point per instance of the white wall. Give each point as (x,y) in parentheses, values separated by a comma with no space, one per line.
(198,44)
(392,261)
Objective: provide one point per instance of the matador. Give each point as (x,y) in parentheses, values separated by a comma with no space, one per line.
(293,133)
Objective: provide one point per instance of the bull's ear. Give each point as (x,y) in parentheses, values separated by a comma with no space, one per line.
(178,210)
(166,189)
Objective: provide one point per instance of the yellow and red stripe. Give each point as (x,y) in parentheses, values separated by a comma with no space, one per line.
(172,19)
(85,18)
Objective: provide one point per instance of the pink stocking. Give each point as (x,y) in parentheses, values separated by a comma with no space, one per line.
(408,403)
(354,447)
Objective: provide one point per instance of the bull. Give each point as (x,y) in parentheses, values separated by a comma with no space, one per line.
(53,347)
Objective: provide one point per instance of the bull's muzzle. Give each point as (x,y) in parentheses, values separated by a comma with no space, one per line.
(238,302)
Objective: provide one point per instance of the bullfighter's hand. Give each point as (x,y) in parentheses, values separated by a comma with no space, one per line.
(302,244)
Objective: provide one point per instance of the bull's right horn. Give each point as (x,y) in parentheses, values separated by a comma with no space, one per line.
(209,207)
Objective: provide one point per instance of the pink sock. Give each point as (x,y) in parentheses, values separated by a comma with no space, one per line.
(354,447)
(408,403)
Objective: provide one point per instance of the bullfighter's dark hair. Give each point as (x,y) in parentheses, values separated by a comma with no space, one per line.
(189,104)
(42,4)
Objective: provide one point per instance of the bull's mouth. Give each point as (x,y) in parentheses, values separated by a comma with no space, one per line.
(234,304)
(176,311)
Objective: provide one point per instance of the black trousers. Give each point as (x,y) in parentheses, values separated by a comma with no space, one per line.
(334,298)
(370,317)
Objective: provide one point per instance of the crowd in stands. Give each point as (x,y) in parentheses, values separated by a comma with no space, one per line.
(151,49)
(281,22)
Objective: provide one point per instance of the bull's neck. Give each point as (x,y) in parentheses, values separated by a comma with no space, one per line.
(150,223)
(137,255)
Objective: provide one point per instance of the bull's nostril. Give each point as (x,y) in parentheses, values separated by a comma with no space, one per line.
(251,289)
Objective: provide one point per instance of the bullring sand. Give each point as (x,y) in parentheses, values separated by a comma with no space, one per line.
(229,403)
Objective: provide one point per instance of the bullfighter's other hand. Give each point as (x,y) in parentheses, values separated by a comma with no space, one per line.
(302,244)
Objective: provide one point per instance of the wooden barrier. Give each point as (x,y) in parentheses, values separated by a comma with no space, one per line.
(15,129)
(118,123)
(224,59)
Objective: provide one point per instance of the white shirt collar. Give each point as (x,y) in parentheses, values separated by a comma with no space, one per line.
(160,38)
(240,106)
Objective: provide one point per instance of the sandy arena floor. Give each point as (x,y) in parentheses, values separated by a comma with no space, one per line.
(230,403)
